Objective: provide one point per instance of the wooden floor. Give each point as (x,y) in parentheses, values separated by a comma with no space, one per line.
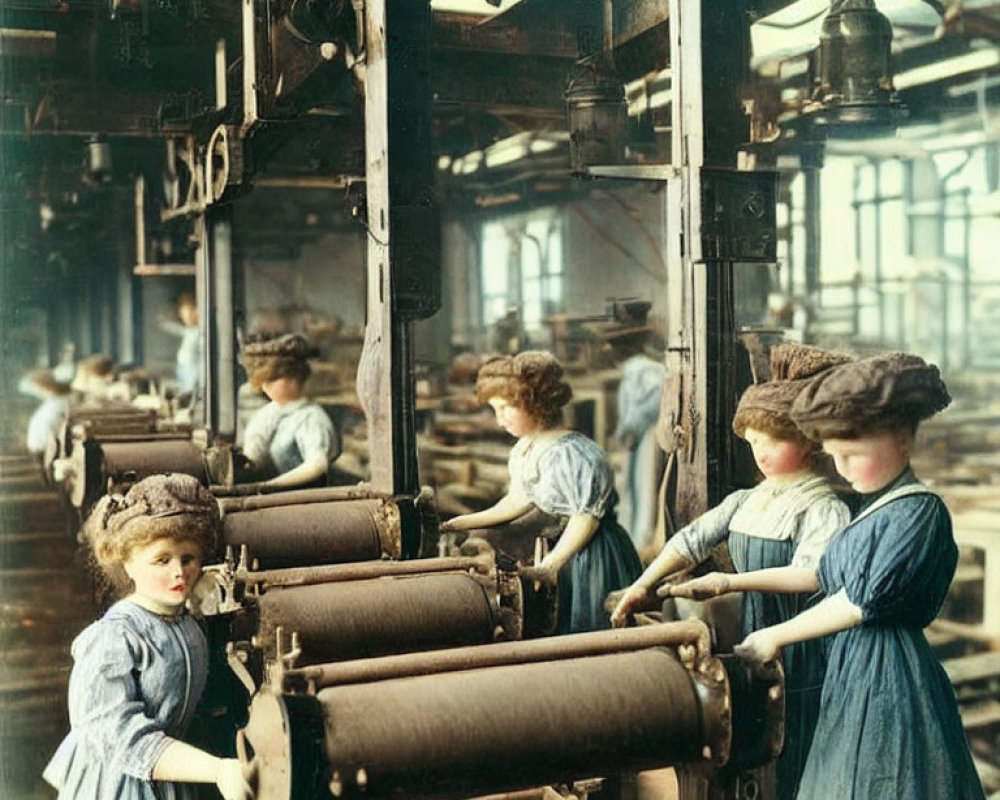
(45,600)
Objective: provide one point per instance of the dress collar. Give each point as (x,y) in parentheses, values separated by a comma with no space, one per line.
(163,611)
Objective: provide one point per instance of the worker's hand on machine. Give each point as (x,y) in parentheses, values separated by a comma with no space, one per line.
(453,525)
(541,574)
(704,588)
(233,779)
(759,646)
(633,596)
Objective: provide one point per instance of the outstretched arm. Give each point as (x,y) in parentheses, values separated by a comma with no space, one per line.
(306,472)
(507,508)
(668,562)
(835,613)
(579,530)
(186,764)
(778,580)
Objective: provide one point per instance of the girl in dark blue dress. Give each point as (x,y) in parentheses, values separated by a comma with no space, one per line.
(889,727)
(560,472)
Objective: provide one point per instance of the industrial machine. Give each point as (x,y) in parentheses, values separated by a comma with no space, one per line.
(469,721)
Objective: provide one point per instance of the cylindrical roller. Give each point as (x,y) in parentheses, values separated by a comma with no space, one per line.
(357,619)
(95,464)
(498,729)
(133,461)
(366,570)
(316,533)
(231,499)
(691,633)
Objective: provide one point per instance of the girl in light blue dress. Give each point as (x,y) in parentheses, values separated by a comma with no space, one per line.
(560,472)
(291,441)
(139,671)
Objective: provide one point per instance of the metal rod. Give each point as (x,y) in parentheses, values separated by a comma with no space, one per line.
(230,505)
(364,570)
(578,645)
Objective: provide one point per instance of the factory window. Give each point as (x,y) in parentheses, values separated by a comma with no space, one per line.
(522,268)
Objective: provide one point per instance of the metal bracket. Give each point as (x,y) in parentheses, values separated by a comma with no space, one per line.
(636,172)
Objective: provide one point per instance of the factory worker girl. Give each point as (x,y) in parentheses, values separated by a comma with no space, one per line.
(51,413)
(291,441)
(787,519)
(140,670)
(888,727)
(561,472)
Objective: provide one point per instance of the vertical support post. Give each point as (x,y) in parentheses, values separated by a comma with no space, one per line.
(215,319)
(813,231)
(700,337)
(404,233)
(685,285)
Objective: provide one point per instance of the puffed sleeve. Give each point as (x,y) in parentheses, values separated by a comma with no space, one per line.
(817,525)
(106,706)
(695,540)
(906,563)
(574,478)
(316,437)
(257,436)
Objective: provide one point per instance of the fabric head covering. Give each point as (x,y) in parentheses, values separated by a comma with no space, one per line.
(883,391)
(153,498)
(289,345)
(793,366)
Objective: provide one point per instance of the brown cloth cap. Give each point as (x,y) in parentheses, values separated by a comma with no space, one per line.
(884,391)
(793,366)
(156,497)
(289,345)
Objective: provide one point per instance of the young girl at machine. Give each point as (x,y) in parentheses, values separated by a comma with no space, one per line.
(888,727)
(140,670)
(787,519)
(561,472)
(291,441)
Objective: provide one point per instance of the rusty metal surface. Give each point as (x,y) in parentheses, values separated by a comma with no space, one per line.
(364,570)
(132,461)
(369,618)
(692,633)
(512,727)
(293,498)
(315,533)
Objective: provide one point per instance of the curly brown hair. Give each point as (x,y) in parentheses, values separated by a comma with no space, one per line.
(171,506)
(532,381)
(261,370)
(779,426)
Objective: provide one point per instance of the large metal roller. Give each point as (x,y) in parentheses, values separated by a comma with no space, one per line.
(357,619)
(474,732)
(333,532)
(98,466)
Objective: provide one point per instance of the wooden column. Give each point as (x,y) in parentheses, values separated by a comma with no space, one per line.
(403,254)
